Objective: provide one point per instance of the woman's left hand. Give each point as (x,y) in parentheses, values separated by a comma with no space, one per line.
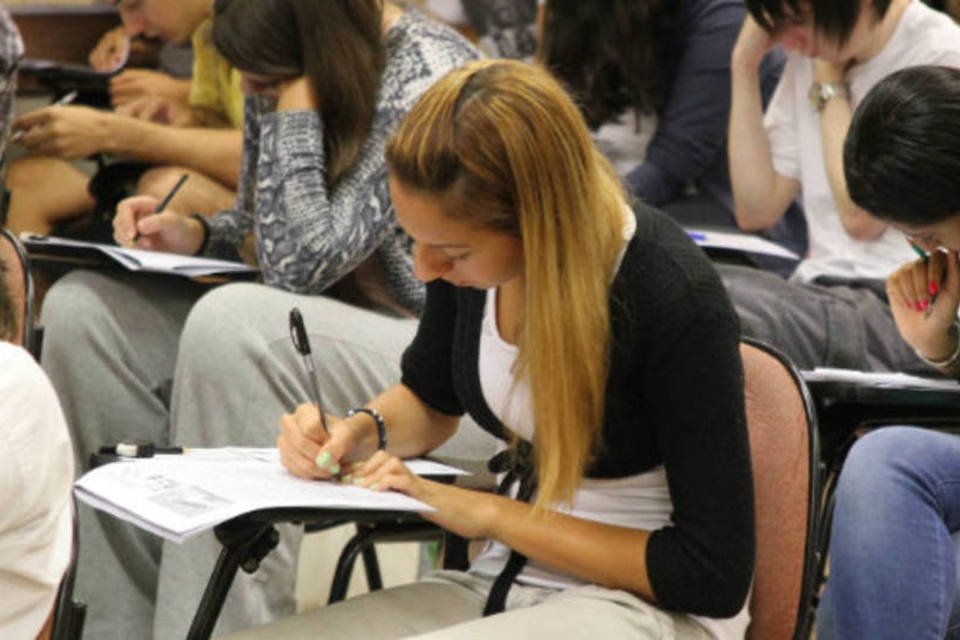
(924,296)
(462,511)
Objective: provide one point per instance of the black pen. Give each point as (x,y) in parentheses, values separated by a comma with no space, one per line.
(139,450)
(166,200)
(298,333)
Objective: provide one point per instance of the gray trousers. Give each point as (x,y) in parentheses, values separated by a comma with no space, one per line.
(111,348)
(448,605)
(820,326)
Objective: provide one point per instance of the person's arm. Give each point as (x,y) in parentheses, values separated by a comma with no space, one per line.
(73,132)
(761,195)
(330,231)
(692,123)
(834,124)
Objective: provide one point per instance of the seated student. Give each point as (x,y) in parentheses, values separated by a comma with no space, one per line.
(573,329)
(653,81)
(201,137)
(832,311)
(36,479)
(329,82)
(896,526)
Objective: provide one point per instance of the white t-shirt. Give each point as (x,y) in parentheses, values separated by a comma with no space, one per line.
(923,36)
(36,510)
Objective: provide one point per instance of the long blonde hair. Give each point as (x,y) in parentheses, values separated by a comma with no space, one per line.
(505,147)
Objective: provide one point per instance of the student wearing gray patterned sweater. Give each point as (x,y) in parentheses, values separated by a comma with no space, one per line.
(329,82)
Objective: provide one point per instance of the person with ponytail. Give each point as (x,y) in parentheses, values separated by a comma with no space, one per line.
(576,330)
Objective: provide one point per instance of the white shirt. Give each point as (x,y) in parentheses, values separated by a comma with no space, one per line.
(36,475)
(923,36)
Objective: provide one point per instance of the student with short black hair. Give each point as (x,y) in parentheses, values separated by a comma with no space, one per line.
(894,543)
(832,311)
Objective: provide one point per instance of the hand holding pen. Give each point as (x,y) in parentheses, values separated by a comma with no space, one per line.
(63,130)
(302,447)
(924,296)
(149,224)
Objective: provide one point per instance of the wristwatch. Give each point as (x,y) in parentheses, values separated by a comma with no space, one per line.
(823,92)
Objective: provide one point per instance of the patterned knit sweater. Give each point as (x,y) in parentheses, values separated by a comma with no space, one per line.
(308,236)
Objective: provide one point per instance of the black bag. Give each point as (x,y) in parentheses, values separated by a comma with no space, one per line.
(108,186)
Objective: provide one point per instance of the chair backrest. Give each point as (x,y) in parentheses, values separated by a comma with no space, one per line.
(786,476)
(15,271)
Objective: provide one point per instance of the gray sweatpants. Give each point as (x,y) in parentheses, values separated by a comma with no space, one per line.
(447,605)
(111,348)
(820,326)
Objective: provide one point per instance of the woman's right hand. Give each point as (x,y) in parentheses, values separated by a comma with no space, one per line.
(306,450)
(924,297)
(137,224)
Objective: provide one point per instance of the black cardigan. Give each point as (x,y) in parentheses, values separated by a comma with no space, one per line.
(674,397)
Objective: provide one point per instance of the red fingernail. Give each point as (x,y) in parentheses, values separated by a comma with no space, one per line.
(934,288)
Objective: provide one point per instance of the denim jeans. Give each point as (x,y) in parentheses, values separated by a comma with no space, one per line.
(894,543)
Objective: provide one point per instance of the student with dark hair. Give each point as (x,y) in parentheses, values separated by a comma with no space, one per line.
(653,80)
(832,311)
(896,526)
(328,83)
(572,327)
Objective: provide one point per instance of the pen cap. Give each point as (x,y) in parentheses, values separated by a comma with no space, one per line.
(298,332)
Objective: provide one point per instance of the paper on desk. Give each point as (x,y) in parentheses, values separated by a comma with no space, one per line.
(738,241)
(878,379)
(142,260)
(177,496)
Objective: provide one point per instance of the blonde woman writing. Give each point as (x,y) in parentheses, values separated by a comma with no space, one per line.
(597,342)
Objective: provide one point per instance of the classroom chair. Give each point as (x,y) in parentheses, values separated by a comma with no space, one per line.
(68,614)
(787,477)
(16,275)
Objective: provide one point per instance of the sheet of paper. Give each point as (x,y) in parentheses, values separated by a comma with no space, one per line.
(736,241)
(877,379)
(177,496)
(141,260)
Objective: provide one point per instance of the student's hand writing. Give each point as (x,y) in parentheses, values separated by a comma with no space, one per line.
(111,52)
(305,448)
(752,44)
(160,110)
(924,297)
(166,231)
(131,84)
(69,132)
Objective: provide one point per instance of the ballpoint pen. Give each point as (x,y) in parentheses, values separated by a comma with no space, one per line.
(298,333)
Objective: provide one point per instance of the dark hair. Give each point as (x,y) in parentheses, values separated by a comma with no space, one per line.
(337,44)
(8,318)
(901,157)
(611,54)
(833,18)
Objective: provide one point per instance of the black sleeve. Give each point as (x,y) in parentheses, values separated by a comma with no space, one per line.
(426,367)
(703,562)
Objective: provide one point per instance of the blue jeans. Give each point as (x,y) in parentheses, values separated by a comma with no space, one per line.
(893,547)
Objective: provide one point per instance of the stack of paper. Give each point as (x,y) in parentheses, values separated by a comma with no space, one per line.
(739,241)
(134,259)
(177,496)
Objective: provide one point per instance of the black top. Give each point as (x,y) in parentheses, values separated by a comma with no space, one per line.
(674,397)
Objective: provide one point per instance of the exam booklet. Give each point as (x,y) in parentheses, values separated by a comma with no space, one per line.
(178,496)
(54,248)
(739,241)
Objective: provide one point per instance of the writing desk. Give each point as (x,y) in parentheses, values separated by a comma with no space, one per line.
(843,406)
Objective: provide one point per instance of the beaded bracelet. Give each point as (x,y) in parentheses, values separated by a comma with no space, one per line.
(381,425)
